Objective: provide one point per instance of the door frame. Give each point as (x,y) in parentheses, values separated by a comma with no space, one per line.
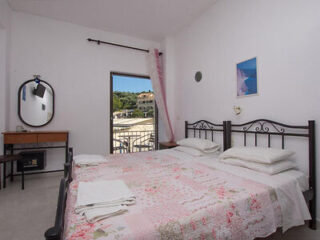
(156,127)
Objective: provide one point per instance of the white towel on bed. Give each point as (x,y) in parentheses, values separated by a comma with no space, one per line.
(101,199)
(89,159)
(120,202)
(96,214)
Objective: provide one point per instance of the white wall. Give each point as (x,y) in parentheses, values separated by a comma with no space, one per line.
(5,18)
(79,73)
(169,70)
(283,35)
(2,82)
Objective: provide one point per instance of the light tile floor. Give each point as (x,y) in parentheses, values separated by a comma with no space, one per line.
(26,214)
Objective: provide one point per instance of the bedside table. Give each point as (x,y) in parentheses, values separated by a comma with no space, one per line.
(167,145)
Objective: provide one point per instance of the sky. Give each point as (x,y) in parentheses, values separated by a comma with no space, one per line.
(131,84)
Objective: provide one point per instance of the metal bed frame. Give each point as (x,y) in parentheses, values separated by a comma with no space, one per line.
(271,129)
(207,129)
(56,232)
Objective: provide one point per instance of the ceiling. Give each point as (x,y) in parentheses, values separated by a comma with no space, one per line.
(147,19)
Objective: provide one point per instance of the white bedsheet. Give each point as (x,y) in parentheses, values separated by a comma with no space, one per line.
(288,185)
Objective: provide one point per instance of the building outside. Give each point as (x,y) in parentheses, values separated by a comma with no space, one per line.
(146,103)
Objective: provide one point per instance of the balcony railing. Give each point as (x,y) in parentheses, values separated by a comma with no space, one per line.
(128,139)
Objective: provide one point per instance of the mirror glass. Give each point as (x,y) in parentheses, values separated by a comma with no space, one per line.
(36,103)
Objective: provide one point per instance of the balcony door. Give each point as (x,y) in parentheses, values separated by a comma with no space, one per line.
(133,114)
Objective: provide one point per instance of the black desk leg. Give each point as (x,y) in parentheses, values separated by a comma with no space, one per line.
(67,148)
(11,174)
(22,176)
(4,174)
(4,166)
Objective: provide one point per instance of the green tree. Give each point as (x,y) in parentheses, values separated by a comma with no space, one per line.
(137,114)
(128,100)
(150,113)
(117,104)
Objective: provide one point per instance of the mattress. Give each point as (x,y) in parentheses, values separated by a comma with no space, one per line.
(213,161)
(181,197)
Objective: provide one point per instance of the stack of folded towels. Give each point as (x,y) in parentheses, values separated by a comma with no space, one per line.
(89,159)
(102,199)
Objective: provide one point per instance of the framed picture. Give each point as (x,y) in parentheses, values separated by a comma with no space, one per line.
(247,78)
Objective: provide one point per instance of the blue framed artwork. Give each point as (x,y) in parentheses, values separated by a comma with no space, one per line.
(247,78)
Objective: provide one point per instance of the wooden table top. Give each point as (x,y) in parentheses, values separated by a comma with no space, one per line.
(33,132)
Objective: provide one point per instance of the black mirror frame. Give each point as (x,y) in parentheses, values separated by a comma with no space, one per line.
(19,104)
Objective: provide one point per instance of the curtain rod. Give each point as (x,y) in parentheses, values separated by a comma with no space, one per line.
(119,45)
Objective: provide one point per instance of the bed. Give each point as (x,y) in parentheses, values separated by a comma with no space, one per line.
(183,197)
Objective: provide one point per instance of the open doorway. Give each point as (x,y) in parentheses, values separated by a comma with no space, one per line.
(133,114)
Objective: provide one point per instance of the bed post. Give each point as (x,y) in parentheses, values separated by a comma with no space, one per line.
(226,135)
(186,129)
(312,173)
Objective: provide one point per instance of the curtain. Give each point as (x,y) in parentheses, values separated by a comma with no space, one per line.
(155,68)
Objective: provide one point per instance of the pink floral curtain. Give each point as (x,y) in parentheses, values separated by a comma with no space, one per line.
(155,68)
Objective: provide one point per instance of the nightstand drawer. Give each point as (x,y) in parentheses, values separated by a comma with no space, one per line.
(20,138)
(52,137)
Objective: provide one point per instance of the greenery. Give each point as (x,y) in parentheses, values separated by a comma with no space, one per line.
(124,100)
(137,114)
(150,113)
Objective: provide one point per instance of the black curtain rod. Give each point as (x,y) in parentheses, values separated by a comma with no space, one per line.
(119,45)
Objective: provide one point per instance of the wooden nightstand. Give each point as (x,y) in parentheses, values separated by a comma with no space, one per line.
(167,145)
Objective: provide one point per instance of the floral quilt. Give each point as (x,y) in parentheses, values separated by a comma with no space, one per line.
(176,199)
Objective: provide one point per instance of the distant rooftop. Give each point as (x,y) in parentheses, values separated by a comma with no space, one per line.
(146,95)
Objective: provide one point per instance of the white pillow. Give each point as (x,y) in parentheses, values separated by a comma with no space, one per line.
(257,154)
(212,150)
(191,151)
(198,143)
(195,152)
(270,169)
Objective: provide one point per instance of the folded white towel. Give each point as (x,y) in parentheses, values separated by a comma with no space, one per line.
(121,202)
(97,214)
(89,159)
(102,199)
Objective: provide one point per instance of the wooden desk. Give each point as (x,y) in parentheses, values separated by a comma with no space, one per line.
(34,137)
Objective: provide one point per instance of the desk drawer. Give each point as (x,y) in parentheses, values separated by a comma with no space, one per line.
(52,137)
(20,138)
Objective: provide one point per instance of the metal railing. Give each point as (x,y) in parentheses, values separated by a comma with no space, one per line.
(128,139)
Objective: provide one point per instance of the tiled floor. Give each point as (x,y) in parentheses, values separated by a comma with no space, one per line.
(26,214)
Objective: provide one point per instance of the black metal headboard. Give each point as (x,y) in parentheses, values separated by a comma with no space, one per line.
(271,128)
(206,129)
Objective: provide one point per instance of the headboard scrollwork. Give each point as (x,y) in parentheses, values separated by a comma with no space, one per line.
(269,128)
(206,129)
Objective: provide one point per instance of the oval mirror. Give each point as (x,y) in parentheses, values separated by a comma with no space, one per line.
(36,103)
